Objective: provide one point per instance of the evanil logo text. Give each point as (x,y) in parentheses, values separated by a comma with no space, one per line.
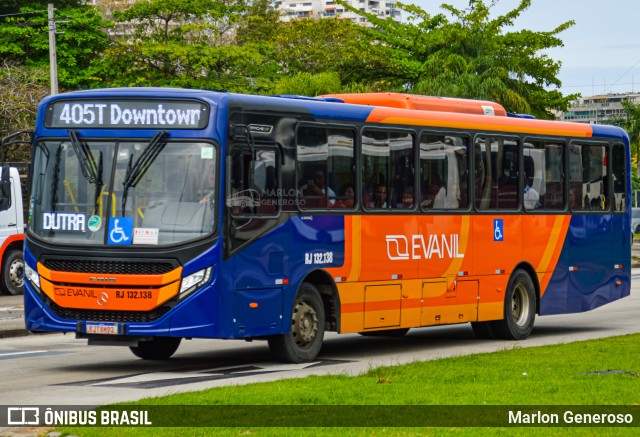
(418,246)
(60,221)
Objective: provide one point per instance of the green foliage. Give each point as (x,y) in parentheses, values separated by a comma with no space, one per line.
(334,45)
(183,43)
(241,45)
(307,84)
(13,6)
(238,46)
(630,122)
(24,39)
(473,56)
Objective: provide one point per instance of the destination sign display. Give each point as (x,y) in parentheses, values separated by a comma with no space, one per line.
(168,114)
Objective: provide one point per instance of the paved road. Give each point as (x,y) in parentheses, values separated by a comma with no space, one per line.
(11,316)
(56,369)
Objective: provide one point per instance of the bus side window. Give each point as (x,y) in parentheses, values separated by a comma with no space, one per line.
(443,172)
(325,166)
(618,178)
(497,174)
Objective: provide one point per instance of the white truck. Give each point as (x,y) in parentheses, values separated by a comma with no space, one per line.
(13,189)
(11,231)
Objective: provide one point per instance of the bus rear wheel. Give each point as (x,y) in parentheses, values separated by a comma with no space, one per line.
(160,348)
(304,340)
(519,309)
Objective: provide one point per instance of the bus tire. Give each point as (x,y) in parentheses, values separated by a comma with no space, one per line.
(400,332)
(483,330)
(160,348)
(13,273)
(303,341)
(519,308)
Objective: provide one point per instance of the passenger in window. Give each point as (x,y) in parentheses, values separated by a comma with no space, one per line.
(597,203)
(407,198)
(531,195)
(573,201)
(347,197)
(317,188)
(379,198)
(435,195)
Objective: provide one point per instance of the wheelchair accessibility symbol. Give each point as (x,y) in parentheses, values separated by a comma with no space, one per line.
(498,230)
(120,230)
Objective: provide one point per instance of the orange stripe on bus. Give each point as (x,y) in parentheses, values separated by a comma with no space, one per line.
(103,298)
(554,248)
(356,248)
(94,279)
(478,122)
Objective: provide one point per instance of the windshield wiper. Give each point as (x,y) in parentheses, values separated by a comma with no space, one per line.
(87,163)
(99,183)
(136,170)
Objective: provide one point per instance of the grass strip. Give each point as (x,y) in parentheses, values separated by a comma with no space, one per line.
(596,372)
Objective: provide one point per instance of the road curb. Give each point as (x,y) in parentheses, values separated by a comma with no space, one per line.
(14,333)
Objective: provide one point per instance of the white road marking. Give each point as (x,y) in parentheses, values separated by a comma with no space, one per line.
(6,354)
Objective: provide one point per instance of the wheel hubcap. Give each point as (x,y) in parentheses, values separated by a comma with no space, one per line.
(520,306)
(304,324)
(16,273)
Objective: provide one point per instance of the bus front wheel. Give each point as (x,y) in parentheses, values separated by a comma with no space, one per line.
(519,308)
(160,348)
(304,340)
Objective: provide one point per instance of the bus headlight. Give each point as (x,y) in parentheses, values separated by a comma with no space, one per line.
(32,275)
(194,281)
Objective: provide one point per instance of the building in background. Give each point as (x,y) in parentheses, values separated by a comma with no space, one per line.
(295,9)
(598,109)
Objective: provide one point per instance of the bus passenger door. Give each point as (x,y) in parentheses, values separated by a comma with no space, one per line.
(257,244)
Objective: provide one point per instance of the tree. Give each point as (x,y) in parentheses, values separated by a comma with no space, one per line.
(12,6)
(24,39)
(307,84)
(21,89)
(472,56)
(184,43)
(332,45)
(630,122)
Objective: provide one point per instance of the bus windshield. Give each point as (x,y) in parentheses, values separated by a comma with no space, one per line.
(113,192)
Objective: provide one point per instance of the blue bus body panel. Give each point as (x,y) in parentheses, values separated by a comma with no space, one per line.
(267,272)
(593,268)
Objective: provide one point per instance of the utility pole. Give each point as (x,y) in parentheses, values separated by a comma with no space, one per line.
(53,60)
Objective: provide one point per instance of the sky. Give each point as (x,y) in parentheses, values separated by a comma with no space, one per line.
(601,52)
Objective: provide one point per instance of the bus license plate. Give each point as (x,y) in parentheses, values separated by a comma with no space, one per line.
(101,328)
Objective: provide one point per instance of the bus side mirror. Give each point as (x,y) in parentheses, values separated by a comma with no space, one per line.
(5,188)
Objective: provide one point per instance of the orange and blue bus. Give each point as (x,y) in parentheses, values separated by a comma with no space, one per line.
(158,215)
